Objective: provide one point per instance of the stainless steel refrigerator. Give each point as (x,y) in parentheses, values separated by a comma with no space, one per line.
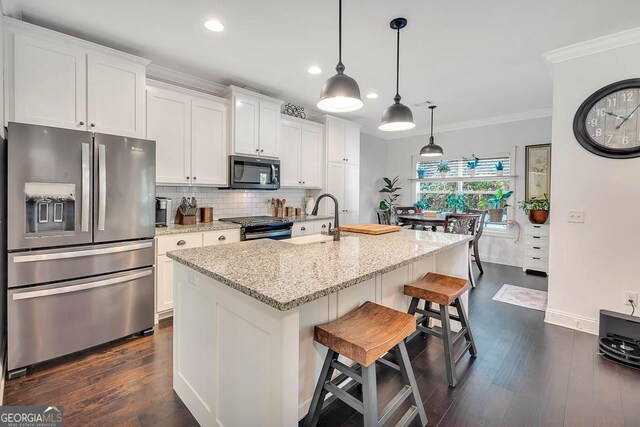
(81,222)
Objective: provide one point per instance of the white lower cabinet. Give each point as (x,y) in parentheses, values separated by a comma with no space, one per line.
(536,255)
(164,264)
(310,227)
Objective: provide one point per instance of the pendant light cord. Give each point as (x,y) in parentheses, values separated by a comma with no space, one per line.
(340,36)
(397,97)
(432,123)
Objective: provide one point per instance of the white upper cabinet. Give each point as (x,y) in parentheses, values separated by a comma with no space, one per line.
(301,153)
(255,123)
(343,140)
(115,96)
(208,142)
(50,83)
(169,125)
(190,133)
(57,80)
(352,188)
(246,125)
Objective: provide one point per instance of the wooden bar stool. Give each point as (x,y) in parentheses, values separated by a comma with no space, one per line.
(444,291)
(364,335)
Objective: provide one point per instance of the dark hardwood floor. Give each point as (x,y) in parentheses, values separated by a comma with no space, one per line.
(527,373)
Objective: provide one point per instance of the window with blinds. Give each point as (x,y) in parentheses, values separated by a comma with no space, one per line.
(459,168)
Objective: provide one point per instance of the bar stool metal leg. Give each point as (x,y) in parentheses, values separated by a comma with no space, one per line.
(311,420)
(447,340)
(409,379)
(462,314)
(370,395)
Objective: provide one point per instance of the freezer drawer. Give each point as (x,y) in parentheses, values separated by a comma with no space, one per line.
(46,266)
(49,321)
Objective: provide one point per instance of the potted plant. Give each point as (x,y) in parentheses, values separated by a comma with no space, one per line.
(537,209)
(495,204)
(459,203)
(472,165)
(499,169)
(420,206)
(422,172)
(443,168)
(391,192)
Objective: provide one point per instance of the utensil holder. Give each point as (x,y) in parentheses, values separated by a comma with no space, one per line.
(206,214)
(288,211)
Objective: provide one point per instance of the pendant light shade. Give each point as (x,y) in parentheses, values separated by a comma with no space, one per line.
(340,94)
(398,116)
(431,149)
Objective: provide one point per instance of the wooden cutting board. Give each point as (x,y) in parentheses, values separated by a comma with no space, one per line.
(370,228)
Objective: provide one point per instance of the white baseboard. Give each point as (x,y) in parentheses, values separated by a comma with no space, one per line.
(571,321)
(499,260)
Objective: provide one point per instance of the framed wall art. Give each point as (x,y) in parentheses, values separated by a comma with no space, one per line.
(537,171)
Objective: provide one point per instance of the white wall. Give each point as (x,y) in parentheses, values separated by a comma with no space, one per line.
(591,264)
(481,141)
(373,167)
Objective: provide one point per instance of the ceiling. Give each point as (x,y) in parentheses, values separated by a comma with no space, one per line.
(476,59)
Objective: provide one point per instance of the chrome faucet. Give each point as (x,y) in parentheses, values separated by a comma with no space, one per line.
(336,230)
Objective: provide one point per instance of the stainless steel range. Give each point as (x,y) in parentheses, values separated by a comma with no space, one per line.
(262,227)
(81,222)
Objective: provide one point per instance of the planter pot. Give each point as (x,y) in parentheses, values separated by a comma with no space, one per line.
(499,173)
(496,215)
(443,174)
(538,216)
(472,172)
(418,210)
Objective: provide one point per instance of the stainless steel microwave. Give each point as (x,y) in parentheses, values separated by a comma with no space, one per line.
(254,173)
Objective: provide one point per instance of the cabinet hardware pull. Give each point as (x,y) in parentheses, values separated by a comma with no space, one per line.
(187,178)
(194,178)
(324,225)
(92,125)
(536,258)
(302,229)
(536,237)
(221,238)
(181,243)
(81,124)
(262,151)
(536,247)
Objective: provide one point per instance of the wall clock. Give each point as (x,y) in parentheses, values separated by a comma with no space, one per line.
(608,122)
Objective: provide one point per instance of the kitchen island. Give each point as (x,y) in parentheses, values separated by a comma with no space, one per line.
(244,314)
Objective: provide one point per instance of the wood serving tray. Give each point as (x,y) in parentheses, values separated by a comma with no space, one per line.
(370,228)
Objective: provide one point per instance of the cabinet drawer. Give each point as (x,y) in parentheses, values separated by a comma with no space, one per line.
(536,263)
(537,230)
(211,238)
(537,251)
(302,229)
(320,226)
(178,241)
(536,241)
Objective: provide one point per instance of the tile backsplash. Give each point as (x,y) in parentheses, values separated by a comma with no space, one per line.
(230,203)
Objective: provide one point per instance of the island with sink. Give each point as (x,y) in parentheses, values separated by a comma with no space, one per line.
(244,314)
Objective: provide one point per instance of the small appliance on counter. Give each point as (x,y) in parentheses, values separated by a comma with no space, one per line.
(619,338)
(163,212)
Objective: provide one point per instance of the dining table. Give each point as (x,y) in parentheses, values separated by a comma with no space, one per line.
(419,219)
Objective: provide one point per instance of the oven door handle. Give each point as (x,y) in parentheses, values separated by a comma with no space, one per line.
(267,234)
(82,287)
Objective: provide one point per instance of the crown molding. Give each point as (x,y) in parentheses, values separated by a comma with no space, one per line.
(11,8)
(589,47)
(489,121)
(167,75)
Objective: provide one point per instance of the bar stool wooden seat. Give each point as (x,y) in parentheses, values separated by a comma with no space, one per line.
(446,292)
(364,335)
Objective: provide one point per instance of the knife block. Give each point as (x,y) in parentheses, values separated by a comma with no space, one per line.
(183,219)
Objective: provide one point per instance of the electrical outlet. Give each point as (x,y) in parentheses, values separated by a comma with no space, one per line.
(631,296)
(576,216)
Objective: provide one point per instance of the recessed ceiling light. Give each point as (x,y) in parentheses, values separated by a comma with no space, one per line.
(213,25)
(314,70)
(372,95)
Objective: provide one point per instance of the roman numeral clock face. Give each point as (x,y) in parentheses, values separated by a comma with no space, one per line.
(608,122)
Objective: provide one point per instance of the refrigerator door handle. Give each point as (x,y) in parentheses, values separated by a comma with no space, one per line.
(82,287)
(102,186)
(86,183)
(80,254)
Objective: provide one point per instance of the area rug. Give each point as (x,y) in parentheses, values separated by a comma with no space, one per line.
(524,297)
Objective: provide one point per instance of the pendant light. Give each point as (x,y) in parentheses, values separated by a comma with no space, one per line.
(431,149)
(340,94)
(398,116)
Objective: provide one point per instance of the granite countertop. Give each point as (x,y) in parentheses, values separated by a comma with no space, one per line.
(285,275)
(222,225)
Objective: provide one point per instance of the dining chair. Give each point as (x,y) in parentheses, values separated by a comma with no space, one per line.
(384,216)
(400,210)
(479,229)
(463,224)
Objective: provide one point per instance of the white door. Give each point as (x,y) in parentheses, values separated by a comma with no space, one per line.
(335,141)
(169,124)
(352,144)
(311,157)
(269,128)
(335,186)
(50,84)
(115,96)
(351,188)
(208,143)
(246,125)
(164,283)
(290,136)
